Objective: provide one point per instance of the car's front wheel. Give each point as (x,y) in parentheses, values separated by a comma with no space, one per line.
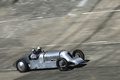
(62,64)
(78,53)
(22,66)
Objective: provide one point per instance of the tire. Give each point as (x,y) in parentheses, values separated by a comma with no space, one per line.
(22,66)
(78,53)
(62,64)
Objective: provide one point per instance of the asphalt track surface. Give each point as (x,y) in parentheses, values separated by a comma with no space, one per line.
(92,28)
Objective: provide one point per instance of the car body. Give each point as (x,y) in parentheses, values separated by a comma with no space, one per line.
(50,59)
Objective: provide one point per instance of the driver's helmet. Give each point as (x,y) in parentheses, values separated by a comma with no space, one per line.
(39,48)
(33,50)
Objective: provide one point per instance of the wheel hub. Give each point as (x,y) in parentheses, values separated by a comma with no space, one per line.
(62,64)
(77,55)
(21,66)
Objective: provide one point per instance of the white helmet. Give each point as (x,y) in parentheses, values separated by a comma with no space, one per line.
(39,48)
(33,50)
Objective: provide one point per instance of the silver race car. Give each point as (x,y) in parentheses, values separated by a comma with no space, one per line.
(60,59)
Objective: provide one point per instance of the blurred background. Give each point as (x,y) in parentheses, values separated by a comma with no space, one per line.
(90,25)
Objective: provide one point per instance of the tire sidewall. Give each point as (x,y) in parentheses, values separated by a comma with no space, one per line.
(77,51)
(26,66)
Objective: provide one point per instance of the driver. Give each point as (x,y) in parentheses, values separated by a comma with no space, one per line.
(33,55)
(39,50)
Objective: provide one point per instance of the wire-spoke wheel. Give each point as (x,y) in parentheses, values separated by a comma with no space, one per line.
(62,64)
(22,66)
(78,53)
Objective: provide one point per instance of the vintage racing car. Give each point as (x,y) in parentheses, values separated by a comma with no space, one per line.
(60,59)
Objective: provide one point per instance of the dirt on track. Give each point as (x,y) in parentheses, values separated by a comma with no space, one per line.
(96,33)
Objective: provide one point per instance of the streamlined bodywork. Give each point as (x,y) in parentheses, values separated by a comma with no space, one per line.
(49,59)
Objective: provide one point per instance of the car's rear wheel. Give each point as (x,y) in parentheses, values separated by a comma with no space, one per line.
(22,66)
(78,53)
(62,64)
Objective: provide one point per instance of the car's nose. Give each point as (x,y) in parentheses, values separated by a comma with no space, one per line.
(77,61)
